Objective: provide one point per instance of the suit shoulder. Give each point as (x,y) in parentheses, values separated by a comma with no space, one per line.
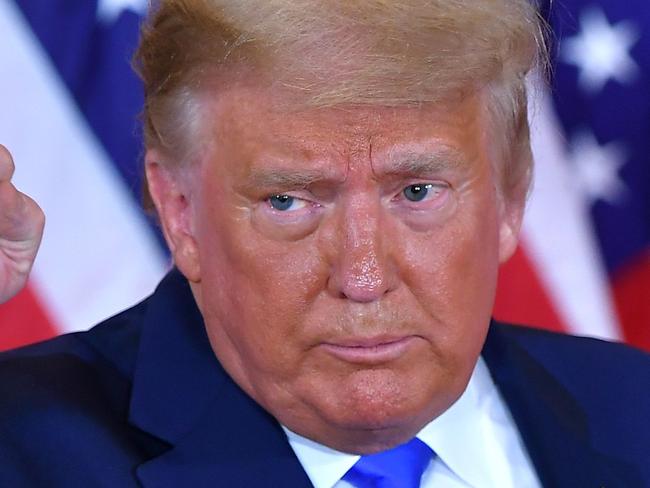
(597,389)
(113,343)
(577,352)
(610,380)
(73,370)
(64,404)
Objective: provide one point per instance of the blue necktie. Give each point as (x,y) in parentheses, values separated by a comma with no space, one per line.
(400,467)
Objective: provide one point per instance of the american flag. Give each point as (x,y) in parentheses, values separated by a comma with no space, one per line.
(69,103)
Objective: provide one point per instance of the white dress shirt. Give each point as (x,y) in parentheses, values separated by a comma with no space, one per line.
(476,442)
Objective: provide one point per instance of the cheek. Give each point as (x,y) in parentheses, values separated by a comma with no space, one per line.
(256,291)
(452,272)
(232,250)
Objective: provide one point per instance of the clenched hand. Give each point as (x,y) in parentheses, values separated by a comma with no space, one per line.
(21,229)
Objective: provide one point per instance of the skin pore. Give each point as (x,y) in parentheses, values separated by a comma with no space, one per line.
(344,259)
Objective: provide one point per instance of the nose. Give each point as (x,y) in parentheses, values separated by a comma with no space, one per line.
(362,269)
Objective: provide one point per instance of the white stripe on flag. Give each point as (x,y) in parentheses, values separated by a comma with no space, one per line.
(98,256)
(557,232)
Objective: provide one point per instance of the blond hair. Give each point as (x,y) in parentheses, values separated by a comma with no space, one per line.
(331,52)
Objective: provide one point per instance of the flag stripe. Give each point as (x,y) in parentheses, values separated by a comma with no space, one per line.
(558,235)
(91,59)
(98,255)
(521,296)
(23,321)
(631,291)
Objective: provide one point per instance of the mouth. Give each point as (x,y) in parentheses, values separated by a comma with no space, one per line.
(370,350)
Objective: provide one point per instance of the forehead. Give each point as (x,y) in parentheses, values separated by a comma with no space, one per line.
(262,126)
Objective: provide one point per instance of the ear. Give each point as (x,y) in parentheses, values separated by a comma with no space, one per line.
(170,191)
(512,213)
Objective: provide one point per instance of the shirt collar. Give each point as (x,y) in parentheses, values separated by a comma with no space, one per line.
(324,466)
(454,436)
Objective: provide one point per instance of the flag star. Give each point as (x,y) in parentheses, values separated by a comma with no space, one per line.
(601,51)
(597,168)
(108,11)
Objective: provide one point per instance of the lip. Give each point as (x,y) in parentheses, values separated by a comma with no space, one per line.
(370,350)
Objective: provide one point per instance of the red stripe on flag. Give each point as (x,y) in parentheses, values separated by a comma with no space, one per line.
(521,297)
(24,321)
(632,295)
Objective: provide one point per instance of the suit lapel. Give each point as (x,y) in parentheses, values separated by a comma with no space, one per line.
(552,424)
(217,435)
(235,443)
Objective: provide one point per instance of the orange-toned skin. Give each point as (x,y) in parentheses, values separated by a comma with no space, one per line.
(356,316)
(21,229)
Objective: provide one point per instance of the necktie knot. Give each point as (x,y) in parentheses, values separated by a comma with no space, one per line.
(400,467)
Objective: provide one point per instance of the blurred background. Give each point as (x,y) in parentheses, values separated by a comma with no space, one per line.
(69,106)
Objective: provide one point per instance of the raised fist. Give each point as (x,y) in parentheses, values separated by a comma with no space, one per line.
(21,229)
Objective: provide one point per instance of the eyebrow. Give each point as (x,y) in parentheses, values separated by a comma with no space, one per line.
(286,178)
(417,164)
(400,164)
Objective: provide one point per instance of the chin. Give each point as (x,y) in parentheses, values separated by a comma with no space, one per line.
(360,432)
(374,410)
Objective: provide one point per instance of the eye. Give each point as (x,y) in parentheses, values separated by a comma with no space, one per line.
(286,203)
(417,192)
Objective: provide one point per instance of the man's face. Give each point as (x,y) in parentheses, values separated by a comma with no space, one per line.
(344,259)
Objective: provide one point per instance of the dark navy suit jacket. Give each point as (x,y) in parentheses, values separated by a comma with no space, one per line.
(141,400)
